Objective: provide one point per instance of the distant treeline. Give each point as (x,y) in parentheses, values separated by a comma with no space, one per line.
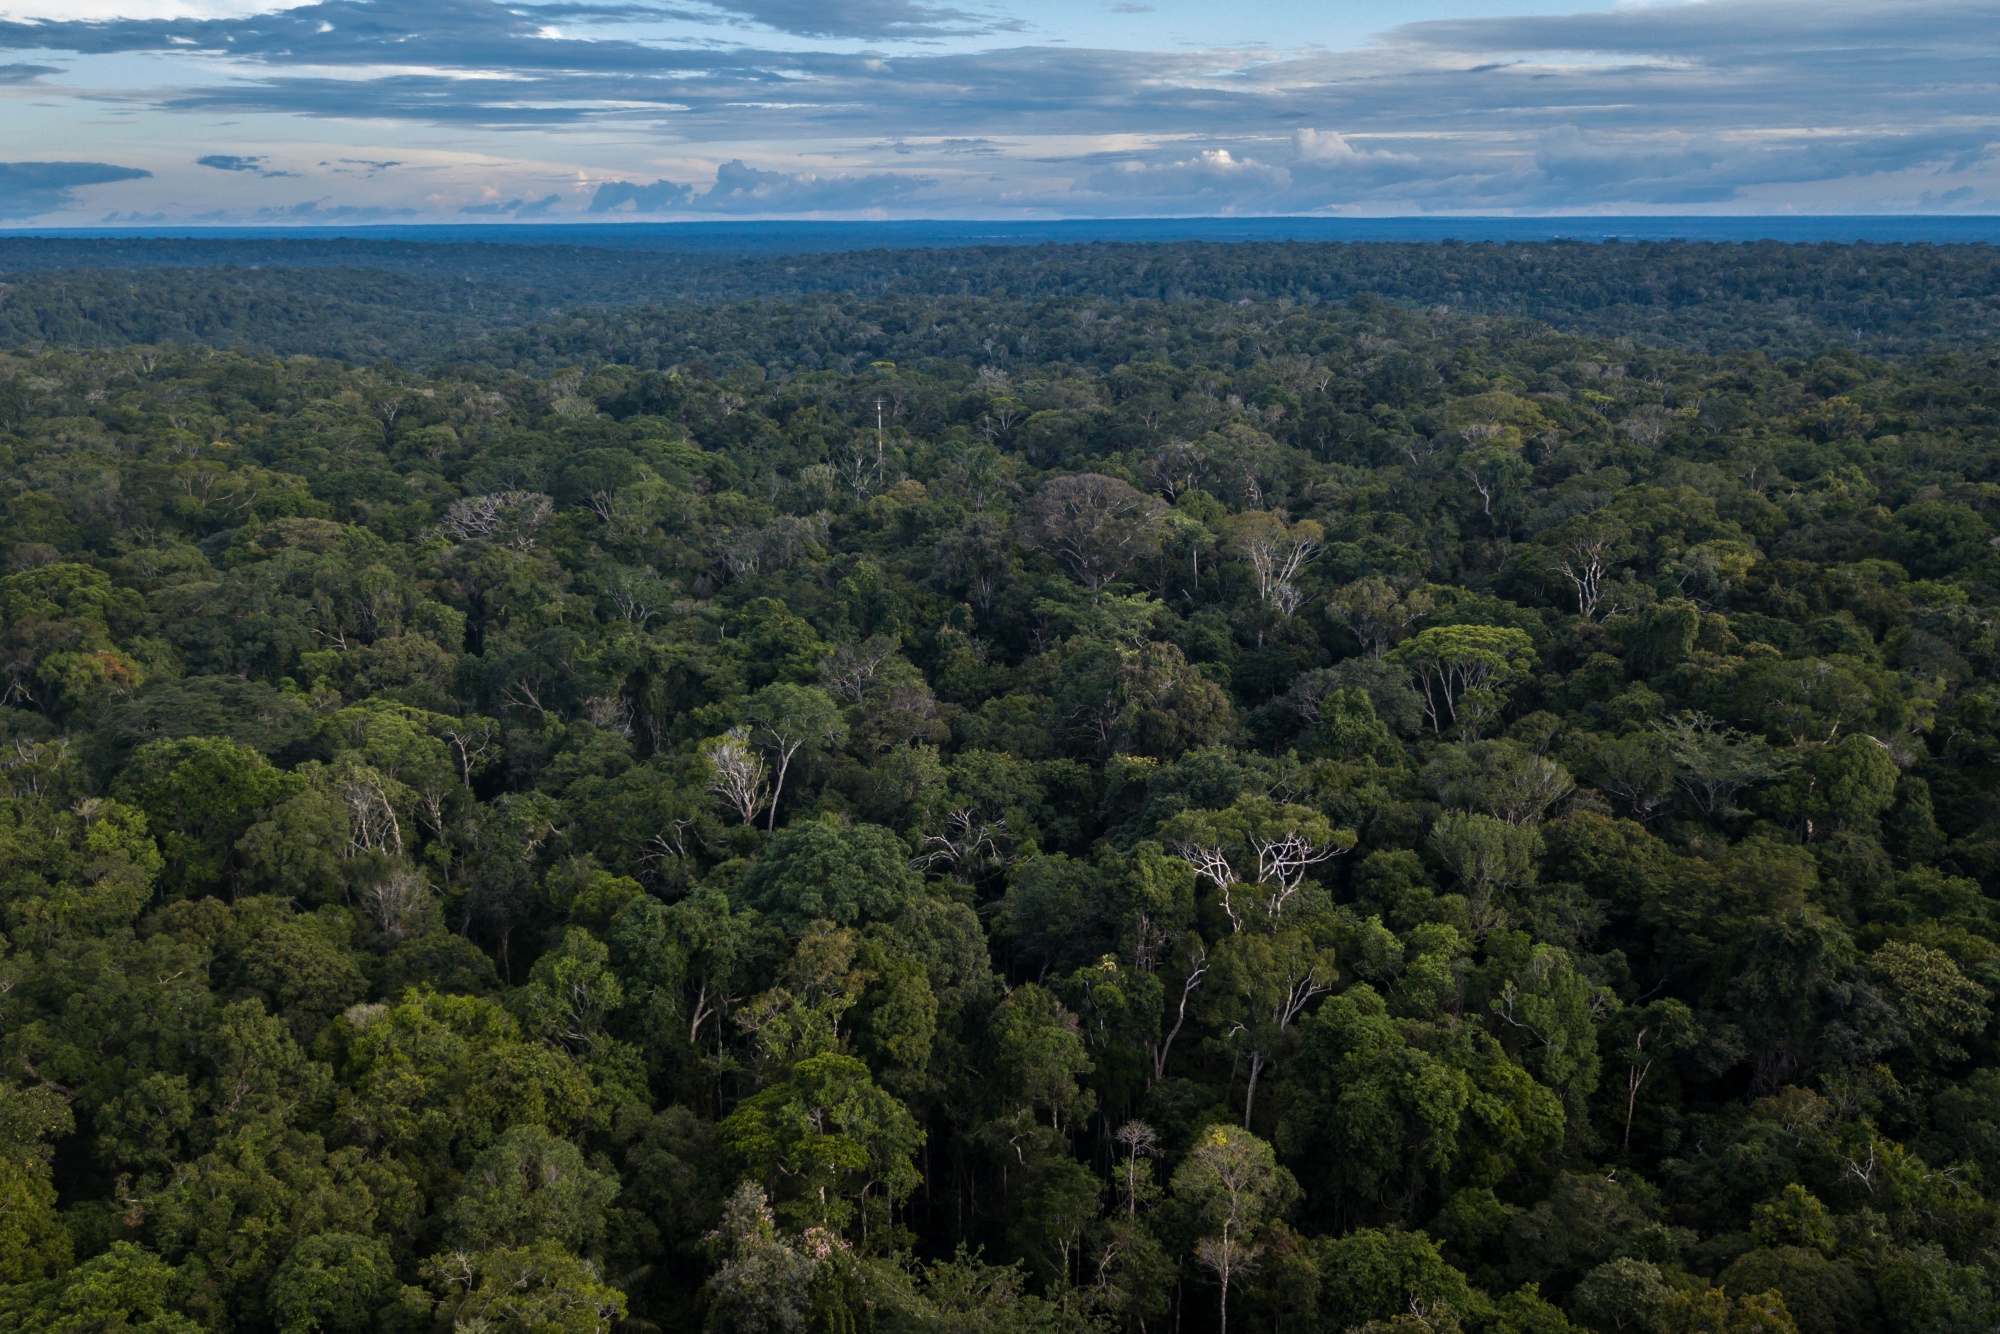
(433,303)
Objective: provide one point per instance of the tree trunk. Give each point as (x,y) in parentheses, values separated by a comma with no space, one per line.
(1257,1064)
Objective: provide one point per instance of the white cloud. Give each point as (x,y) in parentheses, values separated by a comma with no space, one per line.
(105,11)
(1731,104)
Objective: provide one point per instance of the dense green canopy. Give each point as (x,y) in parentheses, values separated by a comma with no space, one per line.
(1017,812)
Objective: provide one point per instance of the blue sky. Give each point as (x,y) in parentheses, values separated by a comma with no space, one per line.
(246,111)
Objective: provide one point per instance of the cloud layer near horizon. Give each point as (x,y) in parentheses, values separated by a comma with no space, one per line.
(1741,105)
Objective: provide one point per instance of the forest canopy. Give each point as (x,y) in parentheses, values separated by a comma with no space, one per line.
(1013,810)
(527,306)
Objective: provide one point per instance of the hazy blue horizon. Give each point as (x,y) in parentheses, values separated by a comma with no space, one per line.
(805,236)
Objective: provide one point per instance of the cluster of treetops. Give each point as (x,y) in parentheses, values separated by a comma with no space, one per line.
(1290,819)
(430,304)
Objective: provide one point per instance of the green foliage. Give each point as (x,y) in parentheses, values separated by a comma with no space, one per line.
(33,1242)
(529,1187)
(815,869)
(124,1291)
(1464,671)
(1622,1294)
(1822,1296)
(538,1289)
(831,1138)
(762,1282)
(1040,1056)
(201,794)
(1111,804)
(334,1283)
(1373,1274)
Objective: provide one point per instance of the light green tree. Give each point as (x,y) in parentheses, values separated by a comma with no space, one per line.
(1233,1180)
(1463,671)
(788,719)
(828,1141)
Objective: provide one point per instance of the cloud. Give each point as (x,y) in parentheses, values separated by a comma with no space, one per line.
(231,162)
(1210,175)
(30,188)
(866,20)
(14,74)
(1328,148)
(316,211)
(1588,167)
(104,10)
(655,198)
(740,188)
(1729,31)
(517,208)
(744,189)
(1724,104)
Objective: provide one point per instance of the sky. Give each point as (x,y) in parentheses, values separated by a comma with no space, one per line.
(168,112)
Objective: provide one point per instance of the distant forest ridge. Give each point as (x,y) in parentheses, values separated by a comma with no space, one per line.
(437,302)
(759,236)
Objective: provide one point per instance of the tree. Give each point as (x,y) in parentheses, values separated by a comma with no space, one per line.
(737,774)
(1715,762)
(1061,1202)
(846,874)
(1925,1291)
(1098,526)
(201,794)
(1646,1035)
(537,1289)
(1378,1109)
(334,1283)
(1258,844)
(1941,1008)
(1506,781)
(530,1187)
(1277,551)
(303,968)
(1232,1179)
(1375,613)
(570,993)
(1801,1001)
(790,718)
(1638,770)
(1822,1296)
(1713,1312)
(1488,856)
(1137,1140)
(1380,1274)
(763,1284)
(1260,984)
(1586,1219)
(1495,472)
(33,1242)
(1040,1055)
(828,1141)
(126,1289)
(1583,552)
(1622,1294)
(1555,1013)
(1462,670)
(1843,786)
(680,967)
